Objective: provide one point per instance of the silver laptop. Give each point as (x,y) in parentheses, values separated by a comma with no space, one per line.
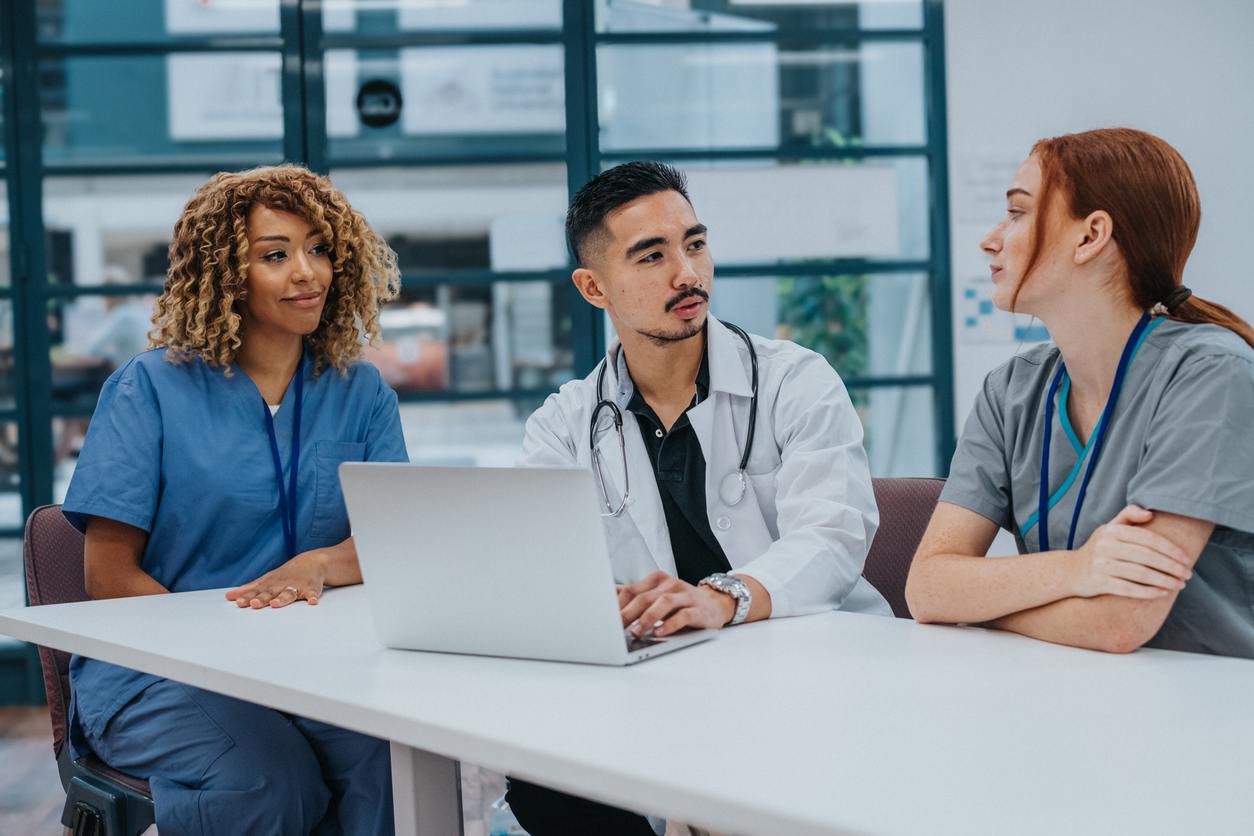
(491,561)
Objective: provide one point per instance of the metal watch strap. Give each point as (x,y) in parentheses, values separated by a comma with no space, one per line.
(736,588)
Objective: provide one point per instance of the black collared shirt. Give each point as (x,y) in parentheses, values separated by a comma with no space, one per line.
(679,466)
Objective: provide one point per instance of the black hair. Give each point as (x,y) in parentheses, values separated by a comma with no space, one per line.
(614,188)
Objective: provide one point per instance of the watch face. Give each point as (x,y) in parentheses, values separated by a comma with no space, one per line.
(729,584)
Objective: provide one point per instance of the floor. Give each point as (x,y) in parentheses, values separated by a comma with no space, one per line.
(30,792)
(31,795)
(12,584)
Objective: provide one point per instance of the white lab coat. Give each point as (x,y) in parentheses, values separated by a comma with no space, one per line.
(806,522)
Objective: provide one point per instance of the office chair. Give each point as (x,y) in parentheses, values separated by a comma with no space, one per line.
(99,800)
(905,506)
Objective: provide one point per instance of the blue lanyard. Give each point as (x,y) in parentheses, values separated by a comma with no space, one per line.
(287,497)
(1103,427)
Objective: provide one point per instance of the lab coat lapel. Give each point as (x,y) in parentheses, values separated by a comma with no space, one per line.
(729,378)
(729,368)
(721,423)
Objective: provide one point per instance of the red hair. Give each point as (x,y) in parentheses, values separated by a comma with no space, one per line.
(1147,189)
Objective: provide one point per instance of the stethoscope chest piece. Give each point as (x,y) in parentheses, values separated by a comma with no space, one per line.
(733,487)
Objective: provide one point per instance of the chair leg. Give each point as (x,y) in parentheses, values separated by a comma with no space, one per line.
(86,820)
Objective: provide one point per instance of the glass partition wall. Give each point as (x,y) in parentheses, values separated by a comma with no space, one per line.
(812,132)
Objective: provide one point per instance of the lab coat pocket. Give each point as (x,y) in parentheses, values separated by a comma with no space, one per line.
(764,487)
(330,518)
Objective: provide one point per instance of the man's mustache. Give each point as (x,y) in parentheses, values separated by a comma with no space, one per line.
(685,296)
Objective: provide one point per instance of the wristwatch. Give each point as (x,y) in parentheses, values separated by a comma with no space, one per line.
(736,588)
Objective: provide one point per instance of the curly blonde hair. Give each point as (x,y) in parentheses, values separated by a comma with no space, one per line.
(199,313)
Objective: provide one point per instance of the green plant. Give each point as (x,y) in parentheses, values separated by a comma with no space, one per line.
(827,314)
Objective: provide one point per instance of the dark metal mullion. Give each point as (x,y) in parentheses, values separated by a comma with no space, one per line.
(779,152)
(8,416)
(463,278)
(411,280)
(822,267)
(889,381)
(313,81)
(32,364)
(32,374)
(232,43)
(76,291)
(292,86)
(783,37)
(82,409)
(430,161)
(583,154)
(435,38)
(451,396)
(173,166)
(938,171)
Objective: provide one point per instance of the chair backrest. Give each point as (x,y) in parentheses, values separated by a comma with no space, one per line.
(906,506)
(53,552)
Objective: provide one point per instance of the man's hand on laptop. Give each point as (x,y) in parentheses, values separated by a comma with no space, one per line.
(662,604)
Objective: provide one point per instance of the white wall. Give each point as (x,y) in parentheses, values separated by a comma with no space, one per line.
(1018,70)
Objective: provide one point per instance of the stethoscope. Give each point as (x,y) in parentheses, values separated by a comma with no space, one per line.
(1103,428)
(734,485)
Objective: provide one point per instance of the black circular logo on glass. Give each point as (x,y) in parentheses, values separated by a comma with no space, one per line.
(379,103)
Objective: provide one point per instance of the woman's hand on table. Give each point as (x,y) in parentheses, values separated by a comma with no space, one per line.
(300,579)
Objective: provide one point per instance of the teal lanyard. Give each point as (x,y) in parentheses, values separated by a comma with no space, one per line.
(287,497)
(1103,428)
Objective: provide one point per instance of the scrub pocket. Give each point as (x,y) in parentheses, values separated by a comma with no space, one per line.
(330,522)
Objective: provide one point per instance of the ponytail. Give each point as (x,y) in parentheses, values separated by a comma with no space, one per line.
(1202,312)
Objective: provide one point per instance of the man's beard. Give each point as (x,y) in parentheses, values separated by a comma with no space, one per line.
(686,332)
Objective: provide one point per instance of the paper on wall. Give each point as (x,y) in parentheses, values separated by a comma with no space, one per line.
(224,96)
(764,213)
(483,90)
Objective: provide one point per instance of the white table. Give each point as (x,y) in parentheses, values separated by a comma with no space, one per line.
(834,723)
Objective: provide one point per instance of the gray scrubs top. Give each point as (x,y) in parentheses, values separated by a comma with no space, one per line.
(1181,442)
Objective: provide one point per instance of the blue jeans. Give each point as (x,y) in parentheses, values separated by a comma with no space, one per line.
(220,765)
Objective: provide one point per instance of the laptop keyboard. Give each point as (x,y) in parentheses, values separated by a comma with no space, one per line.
(635,643)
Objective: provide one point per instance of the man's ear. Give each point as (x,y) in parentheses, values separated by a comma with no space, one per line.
(587,283)
(1096,236)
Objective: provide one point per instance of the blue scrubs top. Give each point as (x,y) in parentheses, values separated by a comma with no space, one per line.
(182,452)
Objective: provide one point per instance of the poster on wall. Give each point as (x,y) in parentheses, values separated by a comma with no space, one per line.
(214,96)
(981,179)
(483,90)
(482,14)
(980,321)
(978,317)
(801,211)
(340,68)
(208,17)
